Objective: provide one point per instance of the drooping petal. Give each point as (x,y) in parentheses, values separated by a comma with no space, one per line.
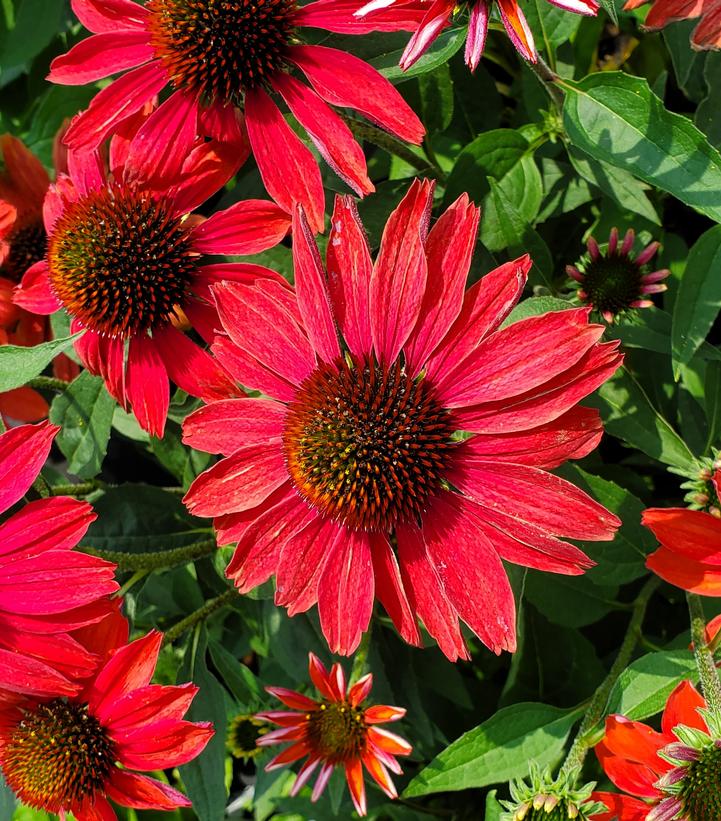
(249,371)
(390,590)
(477,32)
(100,56)
(682,707)
(356,785)
(28,676)
(399,276)
(518,29)
(289,172)
(141,792)
(164,743)
(58,523)
(437,18)
(147,385)
(23,452)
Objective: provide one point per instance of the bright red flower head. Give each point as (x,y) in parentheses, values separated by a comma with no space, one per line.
(336,731)
(23,185)
(349,482)
(62,754)
(218,56)
(690,552)
(439,14)
(126,260)
(630,755)
(706,35)
(47,590)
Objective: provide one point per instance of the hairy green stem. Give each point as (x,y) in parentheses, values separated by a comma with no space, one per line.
(77,489)
(548,80)
(48,383)
(710,683)
(597,706)
(199,615)
(138,576)
(157,560)
(383,140)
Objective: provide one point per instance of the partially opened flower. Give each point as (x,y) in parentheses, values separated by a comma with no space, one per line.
(244,732)
(127,261)
(349,482)
(440,14)
(706,35)
(218,57)
(337,730)
(667,775)
(23,184)
(70,754)
(690,551)
(614,280)
(47,589)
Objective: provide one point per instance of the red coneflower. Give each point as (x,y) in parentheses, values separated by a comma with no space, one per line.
(23,184)
(126,261)
(336,731)
(61,754)
(706,35)
(222,55)
(350,482)
(672,774)
(47,590)
(440,13)
(613,281)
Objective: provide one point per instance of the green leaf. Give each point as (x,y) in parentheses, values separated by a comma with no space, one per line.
(643,687)
(36,23)
(442,49)
(570,601)
(241,682)
(616,119)
(436,90)
(498,750)
(204,777)
(7,800)
(142,519)
(19,365)
(698,300)
(535,305)
(629,415)
(85,413)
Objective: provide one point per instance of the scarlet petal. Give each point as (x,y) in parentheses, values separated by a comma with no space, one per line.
(109,15)
(692,534)
(23,404)
(248,370)
(225,426)
(247,227)
(34,293)
(147,385)
(345,593)
(688,574)
(518,29)
(683,707)
(399,276)
(239,482)
(296,701)
(289,172)
(23,451)
(162,744)
(311,290)
(354,777)
(113,104)
(382,714)
(344,16)
(344,80)
(150,704)
(389,742)
(390,590)
(321,680)
(100,56)
(437,18)
(349,265)
(621,807)
(144,793)
(28,676)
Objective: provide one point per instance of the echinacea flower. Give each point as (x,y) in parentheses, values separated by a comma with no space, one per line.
(219,56)
(349,482)
(690,551)
(244,731)
(336,731)
(613,281)
(61,754)
(126,260)
(23,184)
(47,589)
(706,35)
(667,775)
(440,13)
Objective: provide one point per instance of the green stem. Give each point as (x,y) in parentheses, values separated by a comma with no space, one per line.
(200,615)
(378,137)
(710,683)
(138,576)
(77,489)
(597,707)
(548,80)
(157,560)
(41,487)
(48,383)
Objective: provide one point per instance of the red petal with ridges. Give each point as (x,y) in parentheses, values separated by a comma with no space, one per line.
(296,701)
(390,591)
(692,534)
(344,80)
(250,372)
(331,136)
(389,742)
(163,744)
(319,676)
(345,593)
(382,714)
(682,707)
(23,451)
(354,777)
(688,574)
(311,290)
(341,17)
(289,171)
(20,674)
(110,15)
(144,793)
(238,482)
(34,293)
(399,276)
(147,385)
(122,98)
(436,19)
(146,705)
(247,227)
(621,807)
(225,426)
(100,56)
(477,32)
(518,29)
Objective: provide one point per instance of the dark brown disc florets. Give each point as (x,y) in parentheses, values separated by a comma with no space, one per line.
(27,243)
(57,756)
(218,49)
(366,444)
(120,263)
(336,732)
(612,282)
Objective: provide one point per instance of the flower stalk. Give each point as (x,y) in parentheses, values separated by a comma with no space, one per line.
(710,683)
(157,560)
(198,616)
